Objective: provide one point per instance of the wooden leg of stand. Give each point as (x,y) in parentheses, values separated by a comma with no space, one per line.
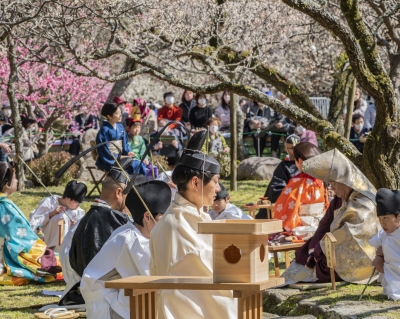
(287,259)
(153,305)
(133,307)
(276,265)
(250,307)
(333,278)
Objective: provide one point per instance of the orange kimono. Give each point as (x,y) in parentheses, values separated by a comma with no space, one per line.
(303,202)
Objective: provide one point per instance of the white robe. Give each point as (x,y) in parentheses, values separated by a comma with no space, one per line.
(391,251)
(178,250)
(231,212)
(71,277)
(126,253)
(40,217)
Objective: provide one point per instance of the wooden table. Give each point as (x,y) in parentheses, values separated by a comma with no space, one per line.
(283,248)
(142,292)
(252,210)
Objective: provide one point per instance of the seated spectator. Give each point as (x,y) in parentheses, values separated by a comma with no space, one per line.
(215,144)
(223,209)
(170,111)
(258,116)
(357,132)
(201,113)
(4,148)
(304,200)
(38,115)
(370,115)
(6,109)
(85,120)
(360,105)
(52,209)
(223,111)
(188,102)
(266,88)
(149,118)
(176,143)
(126,253)
(306,135)
(112,130)
(285,170)
(25,256)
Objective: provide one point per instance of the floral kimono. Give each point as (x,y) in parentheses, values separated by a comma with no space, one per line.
(302,202)
(22,249)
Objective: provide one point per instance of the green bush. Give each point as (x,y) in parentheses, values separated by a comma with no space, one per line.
(46,166)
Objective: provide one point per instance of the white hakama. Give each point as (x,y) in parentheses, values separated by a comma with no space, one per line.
(231,212)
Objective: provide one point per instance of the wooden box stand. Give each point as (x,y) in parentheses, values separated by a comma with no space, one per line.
(240,265)
(240,249)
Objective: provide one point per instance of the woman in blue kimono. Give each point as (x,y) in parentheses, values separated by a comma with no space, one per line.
(113,130)
(23,255)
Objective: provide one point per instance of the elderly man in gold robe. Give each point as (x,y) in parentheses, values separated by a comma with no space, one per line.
(351,218)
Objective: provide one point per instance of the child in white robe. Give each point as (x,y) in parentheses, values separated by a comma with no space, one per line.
(223,209)
(54,208)
(387,241)
(126,253)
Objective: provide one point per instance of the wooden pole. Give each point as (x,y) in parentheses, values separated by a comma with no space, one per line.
(350,109)
(234,103)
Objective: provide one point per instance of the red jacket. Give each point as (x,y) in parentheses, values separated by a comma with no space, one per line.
(174,114)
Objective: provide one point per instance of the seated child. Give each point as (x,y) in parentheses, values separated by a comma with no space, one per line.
(387,241)
(138,146)
(51,210)
(223,209)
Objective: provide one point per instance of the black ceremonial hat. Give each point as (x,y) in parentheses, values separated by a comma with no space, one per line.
(156,195)
(75,191)
(387,202)
(117,174)
(223,193)
(194,159)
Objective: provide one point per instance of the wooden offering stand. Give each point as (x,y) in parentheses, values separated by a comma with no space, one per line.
(240,264)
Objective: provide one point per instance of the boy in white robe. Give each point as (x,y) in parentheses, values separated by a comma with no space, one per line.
(387,241)
(126,253)
(176,247)
(223,209)
(52,209)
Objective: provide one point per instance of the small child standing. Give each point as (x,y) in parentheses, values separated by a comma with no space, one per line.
(223,209)
(387,241)
(54,208)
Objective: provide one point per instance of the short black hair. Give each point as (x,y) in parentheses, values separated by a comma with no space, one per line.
(109,109)
(356,117)
(167,94)
(27,120)
(198,96)
(182,175)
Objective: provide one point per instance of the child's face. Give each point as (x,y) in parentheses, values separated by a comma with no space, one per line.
(71,204)
(135,129)
(389,223)
(219,205)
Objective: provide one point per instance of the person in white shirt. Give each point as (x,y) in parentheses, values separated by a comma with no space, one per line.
(176,247)
(223,209)
(52,209)
(126,253)
(387,241)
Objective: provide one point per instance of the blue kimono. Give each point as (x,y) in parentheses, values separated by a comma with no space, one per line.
(22,247)
(105,160)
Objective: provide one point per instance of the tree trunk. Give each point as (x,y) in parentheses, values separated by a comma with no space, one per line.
(234,137)
(120,86)
(11,93)
(350,109)
(342,81)
(241,151)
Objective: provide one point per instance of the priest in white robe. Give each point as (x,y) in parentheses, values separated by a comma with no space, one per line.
(223,209)
(176,247)
(387,241)
(126,253)
(52,209)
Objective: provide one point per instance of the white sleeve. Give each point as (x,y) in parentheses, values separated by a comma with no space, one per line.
(376,241)
(40,216)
